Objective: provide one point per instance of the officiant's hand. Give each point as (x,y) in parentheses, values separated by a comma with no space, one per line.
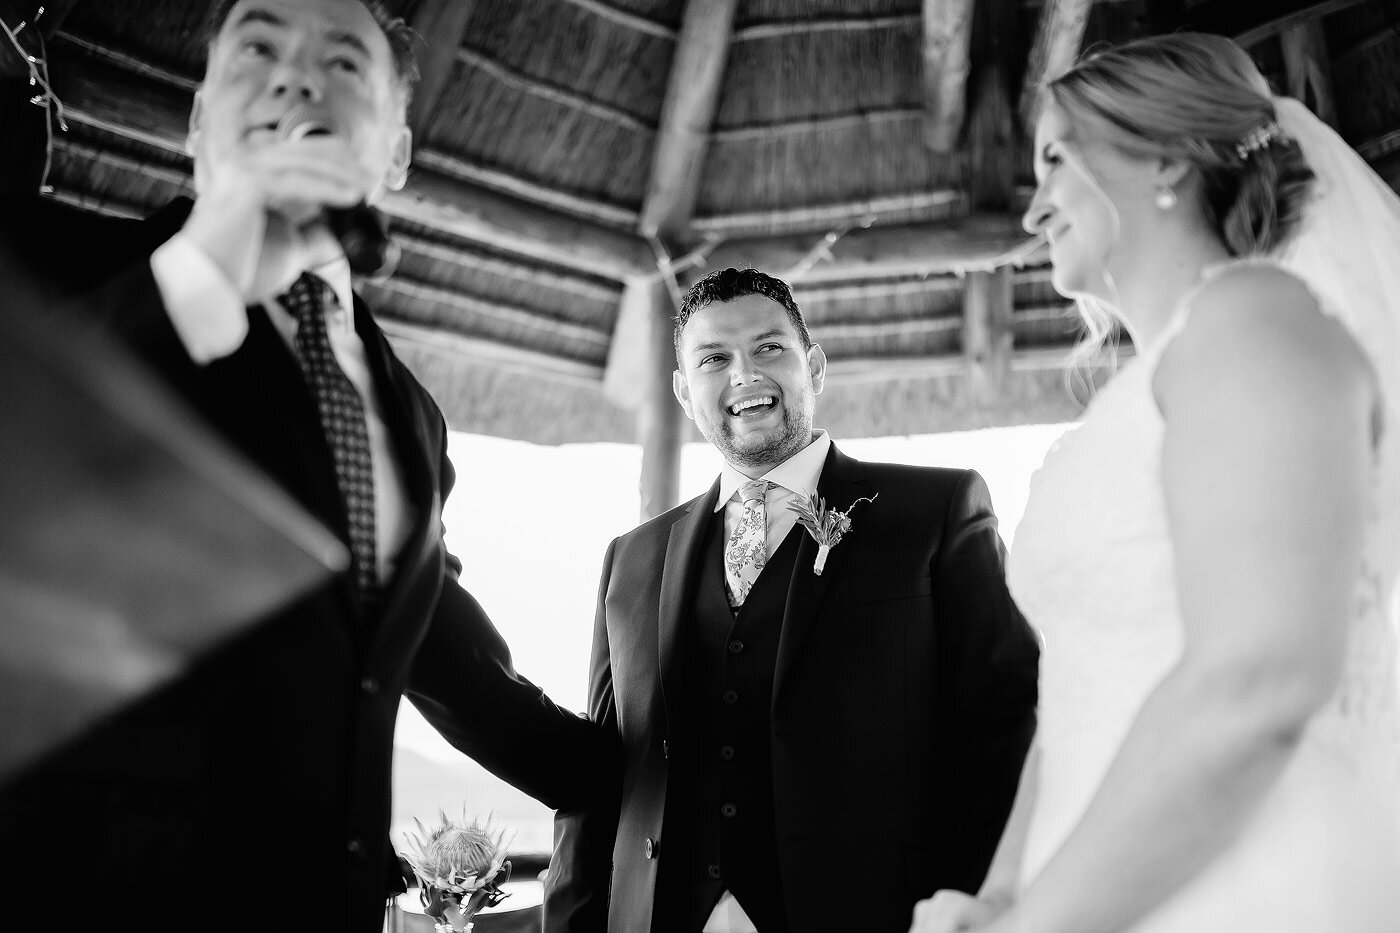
(258,214)
(953,911)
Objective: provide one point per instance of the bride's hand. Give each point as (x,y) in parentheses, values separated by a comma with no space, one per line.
(953,911)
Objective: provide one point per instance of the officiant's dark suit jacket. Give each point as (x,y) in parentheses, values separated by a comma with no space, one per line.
(902,707)
(254,793)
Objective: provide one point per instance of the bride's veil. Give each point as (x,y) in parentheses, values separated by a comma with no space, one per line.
(1348,249)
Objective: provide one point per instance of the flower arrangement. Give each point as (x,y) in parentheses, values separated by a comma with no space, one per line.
(461,867)
(826,525)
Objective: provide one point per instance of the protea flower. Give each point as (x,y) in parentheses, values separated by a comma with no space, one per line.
(460,867)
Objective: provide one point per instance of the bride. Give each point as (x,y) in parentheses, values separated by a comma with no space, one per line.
(1212,554)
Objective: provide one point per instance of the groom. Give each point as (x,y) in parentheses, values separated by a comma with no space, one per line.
(798,745)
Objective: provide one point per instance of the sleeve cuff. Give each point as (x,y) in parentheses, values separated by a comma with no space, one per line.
(205,310)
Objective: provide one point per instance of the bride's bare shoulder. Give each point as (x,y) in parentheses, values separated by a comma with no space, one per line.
(1254,325)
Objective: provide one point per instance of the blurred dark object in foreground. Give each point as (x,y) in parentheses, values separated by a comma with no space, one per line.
(131,538)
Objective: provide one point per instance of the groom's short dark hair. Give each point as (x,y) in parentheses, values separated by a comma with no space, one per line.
(728,284)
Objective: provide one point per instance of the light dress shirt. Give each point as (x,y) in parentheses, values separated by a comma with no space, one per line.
(212,322)
(795,480)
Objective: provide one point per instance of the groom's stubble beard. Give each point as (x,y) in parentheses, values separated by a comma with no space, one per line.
(778,445)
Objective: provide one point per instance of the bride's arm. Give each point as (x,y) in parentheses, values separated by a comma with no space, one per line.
(1265,468)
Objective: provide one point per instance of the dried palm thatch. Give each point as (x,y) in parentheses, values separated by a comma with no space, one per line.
(761,12)
(792,129)
(557,94)
(557,103)
(177,45)
(1376,67)
(554,294)
(946,403)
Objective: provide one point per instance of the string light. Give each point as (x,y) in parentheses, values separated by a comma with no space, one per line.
(46,97)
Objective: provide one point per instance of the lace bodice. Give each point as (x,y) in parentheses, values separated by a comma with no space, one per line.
(1093,569)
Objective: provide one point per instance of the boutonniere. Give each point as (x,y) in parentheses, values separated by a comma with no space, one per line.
(826,525)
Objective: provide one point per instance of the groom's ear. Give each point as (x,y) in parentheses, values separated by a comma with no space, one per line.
(681,389)
(816,366)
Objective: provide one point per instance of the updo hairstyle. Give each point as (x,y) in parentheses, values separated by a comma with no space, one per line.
(1195,97)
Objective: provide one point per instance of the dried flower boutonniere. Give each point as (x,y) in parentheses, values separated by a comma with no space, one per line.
(827,526)
(460,867)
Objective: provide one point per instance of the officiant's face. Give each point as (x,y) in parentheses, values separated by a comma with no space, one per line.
(328,59)
(747,382)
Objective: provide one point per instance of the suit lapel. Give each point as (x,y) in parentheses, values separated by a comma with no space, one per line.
(401,414)
(677,582)
(842,482)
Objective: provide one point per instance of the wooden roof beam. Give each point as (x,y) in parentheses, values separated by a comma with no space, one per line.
(991,137)
(1057,42)
(462,349)
(441,24)
(782,29)
(692,95)
(1308,66)
(881,251)
(624,18)
(947,65)
(844,370)
(1243,22)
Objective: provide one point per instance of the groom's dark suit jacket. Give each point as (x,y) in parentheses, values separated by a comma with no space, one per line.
(254,793)
(902,706)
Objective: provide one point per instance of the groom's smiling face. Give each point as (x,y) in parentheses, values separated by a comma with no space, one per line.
(747,382)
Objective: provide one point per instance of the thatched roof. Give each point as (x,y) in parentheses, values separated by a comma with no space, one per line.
(872,150)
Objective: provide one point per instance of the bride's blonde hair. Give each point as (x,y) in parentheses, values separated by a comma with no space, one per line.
(1198,98)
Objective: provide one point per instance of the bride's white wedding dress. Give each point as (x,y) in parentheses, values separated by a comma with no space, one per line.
(1092,567)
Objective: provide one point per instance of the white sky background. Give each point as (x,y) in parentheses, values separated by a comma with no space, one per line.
(531,525)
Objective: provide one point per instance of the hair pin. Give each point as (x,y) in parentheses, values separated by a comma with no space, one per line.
(1256,139)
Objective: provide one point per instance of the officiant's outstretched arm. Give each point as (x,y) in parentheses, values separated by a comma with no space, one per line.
(810,727)
(243,302)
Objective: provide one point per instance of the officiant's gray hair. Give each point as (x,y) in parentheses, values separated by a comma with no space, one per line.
(728,284)
(400,36)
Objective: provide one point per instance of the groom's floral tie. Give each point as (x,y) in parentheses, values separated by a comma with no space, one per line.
(747,552)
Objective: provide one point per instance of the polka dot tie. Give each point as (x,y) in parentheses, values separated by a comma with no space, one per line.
(746,553)
(343,422)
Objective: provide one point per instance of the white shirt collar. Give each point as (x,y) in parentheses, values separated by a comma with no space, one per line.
(798,473)
(336,274)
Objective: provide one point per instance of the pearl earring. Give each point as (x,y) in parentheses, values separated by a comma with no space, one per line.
(1166,198)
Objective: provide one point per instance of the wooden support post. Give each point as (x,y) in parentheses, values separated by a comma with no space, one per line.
(692,94)
(947,64)
(441,24)
(1057,42)
(987,331)
(1309,68)
(659,417)
(992,154)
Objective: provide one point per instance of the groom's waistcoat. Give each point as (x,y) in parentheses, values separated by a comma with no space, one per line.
(718,831)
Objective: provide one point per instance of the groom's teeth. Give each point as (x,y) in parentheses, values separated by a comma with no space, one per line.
(751,403)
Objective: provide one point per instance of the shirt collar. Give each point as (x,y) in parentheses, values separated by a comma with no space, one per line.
(336,274)
(798,473)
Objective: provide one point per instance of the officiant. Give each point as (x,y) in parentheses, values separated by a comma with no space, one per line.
(256,789)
